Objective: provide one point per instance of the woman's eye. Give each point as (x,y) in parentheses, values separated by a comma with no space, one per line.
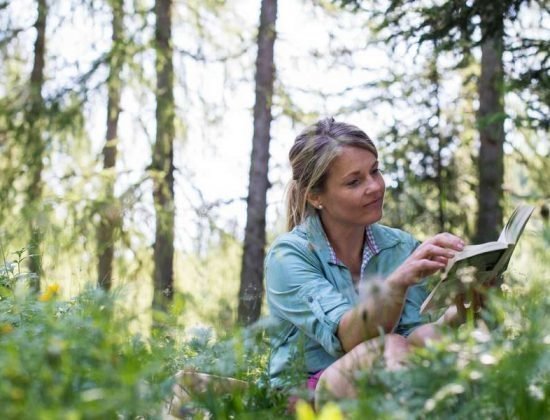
(352,183)
(376,171)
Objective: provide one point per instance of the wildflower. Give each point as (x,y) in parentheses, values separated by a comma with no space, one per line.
(481,336)
(51,291)
(93,394)
(304,411)
(487,359)
(536,392)
(6,328)
(330,411)
(475,375)
(429,405)
(454,347)
(441,394)
(467,274)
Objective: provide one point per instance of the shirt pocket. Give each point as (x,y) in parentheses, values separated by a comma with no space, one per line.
(322,303)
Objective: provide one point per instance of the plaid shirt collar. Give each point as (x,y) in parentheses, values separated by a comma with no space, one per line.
(370,249)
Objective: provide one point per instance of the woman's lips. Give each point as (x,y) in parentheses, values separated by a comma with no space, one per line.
(374,202)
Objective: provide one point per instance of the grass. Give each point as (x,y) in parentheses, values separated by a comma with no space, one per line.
(81,356)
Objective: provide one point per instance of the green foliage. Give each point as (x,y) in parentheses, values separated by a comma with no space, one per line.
(496,367)
(75,359)
(501,372)
(78,358)
(241,354)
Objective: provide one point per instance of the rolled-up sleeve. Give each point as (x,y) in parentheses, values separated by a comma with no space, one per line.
(298,292)
(411,317)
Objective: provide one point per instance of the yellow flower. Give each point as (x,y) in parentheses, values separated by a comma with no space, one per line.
(6,328)
(54,288)
(330,411)
(304,411)
(51,291)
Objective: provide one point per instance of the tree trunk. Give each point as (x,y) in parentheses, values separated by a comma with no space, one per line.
(251,288)
(109,212)
(35,146)
(435,81)
(163,155)
(491,130)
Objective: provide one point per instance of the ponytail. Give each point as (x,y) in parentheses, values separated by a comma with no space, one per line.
(294,209)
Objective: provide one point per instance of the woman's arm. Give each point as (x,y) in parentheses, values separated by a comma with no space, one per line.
(381,311)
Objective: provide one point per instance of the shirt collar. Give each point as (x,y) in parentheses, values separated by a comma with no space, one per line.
(316,235)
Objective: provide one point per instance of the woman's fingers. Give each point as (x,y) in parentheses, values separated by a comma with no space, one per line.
(448,240)
(411,271)
(442,260)
(430,251)
(430,257)
(424,267)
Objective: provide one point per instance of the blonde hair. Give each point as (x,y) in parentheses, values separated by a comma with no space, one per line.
(310,157)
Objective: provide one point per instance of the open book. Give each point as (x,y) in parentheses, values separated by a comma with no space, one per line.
(477,264)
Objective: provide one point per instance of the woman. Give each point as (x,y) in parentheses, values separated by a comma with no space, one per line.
(333,248)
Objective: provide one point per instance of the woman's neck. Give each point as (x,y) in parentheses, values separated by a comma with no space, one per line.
(346,241)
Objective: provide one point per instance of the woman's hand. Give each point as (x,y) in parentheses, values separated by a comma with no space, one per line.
(431,256)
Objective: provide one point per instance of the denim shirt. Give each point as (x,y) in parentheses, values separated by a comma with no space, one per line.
(309,290)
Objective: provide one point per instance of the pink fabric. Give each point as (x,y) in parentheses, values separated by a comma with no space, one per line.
(313,379)
(311,385)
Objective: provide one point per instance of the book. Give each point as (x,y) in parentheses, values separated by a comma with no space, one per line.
(478,264)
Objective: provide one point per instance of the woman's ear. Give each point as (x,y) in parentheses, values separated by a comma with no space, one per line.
(314,200)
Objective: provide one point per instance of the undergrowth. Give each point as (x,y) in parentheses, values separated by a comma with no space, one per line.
(78,359)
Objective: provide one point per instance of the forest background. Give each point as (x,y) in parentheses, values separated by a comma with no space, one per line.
(144,144)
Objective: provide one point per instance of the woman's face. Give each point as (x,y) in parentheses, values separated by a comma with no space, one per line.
(354,190)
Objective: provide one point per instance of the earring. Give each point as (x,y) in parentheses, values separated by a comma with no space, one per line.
(320,207)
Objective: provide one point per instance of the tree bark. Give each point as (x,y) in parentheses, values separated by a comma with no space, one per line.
(109,211)
(435,80)
(163,156)
(490,119)
(251,287)
(36,146)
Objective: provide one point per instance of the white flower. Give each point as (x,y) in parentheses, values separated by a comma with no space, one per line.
(475,375)
(536,392)
(429,405)
(487,359)
(454,347)
(466,274)
(455,389)
(481,336)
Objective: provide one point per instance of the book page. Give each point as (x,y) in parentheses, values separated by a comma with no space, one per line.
(478,263)
(517,221)
(483,262)
(471,250)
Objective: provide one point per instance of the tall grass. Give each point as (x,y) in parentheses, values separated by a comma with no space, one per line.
(80,358)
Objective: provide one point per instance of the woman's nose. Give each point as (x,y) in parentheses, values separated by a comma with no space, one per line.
(374,185)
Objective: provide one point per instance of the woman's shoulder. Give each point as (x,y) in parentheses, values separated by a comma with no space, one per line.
(296,238)
(386,236)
